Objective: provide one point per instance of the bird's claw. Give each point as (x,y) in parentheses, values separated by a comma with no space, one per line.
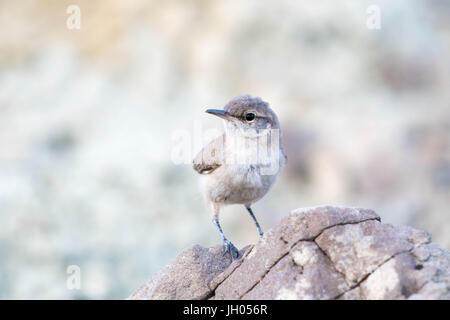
(229,247)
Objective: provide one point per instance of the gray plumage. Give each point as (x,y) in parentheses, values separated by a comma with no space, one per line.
(231,165)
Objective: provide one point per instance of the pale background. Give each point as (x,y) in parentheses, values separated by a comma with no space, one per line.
(87,118)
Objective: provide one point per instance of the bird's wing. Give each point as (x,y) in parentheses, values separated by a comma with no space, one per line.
(211,156)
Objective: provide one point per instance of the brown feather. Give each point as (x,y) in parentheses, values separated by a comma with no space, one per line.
(210,157)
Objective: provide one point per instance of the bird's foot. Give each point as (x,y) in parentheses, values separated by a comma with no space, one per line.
(229,247)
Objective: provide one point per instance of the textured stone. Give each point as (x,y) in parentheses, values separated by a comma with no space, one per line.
(314,253)
(187,277)
(291,277)
(300,225)
(358,249)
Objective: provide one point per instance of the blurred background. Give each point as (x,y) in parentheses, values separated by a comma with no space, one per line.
(88,118)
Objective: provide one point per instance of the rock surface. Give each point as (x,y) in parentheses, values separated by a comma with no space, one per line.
(314,253)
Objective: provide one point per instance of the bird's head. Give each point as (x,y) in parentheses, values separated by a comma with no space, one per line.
(248,114)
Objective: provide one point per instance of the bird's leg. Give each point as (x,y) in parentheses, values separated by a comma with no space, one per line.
(229,247)
(261,233)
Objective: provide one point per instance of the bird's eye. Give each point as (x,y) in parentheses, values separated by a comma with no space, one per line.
(250,117)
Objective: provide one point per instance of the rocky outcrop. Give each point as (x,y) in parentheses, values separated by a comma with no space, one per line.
(314,253)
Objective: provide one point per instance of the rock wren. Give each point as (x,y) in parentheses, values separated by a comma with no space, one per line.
(236,167)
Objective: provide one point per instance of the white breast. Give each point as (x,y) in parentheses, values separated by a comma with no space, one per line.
(245,177)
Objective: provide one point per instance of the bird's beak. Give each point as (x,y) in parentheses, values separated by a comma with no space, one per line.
(220,113)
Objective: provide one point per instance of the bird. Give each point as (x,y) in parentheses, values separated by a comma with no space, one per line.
(241,165)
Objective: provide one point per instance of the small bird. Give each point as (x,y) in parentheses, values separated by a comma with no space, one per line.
(241,165)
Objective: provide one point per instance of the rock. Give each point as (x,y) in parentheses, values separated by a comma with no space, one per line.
(314,253)
(188,277)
